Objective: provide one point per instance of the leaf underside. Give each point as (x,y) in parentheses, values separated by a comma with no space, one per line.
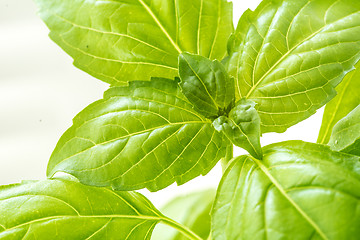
(288,56)
(354,148)
(58,209)
(345,136)
(121,40)
(145,135)
(299,191)
(347,98)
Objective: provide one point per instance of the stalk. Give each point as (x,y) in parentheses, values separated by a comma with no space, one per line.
(182,229)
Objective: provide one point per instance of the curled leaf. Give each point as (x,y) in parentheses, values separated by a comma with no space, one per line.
(242,127)
(206,85)
(345,136)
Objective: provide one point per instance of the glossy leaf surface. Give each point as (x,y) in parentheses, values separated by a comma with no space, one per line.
(242,127)
(347,98)
(145,135)
(345,136)
(191,210)
(123,40)
(288,56)
(299,191)
(58,209)
(206,85)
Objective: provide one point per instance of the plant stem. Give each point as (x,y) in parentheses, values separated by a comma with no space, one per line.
(228,157)
(182,229)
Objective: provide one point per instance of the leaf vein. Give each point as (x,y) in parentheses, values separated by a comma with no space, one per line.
(291,201)
(116,60)
(174,161)
(157,21)
(97,231)
(288,53)
(110,33)
(148,153)
(125,136)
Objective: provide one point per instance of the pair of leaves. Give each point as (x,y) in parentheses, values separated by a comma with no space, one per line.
(206,84)
(299,191)
(287,56)
(242,127)
(120,40)
(208,87)
(174,142)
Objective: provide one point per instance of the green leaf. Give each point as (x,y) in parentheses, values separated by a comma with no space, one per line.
(58,209)
(242,127)
(145,135)
(206,85)
(299,191)
(345,136)
(123,40)
(347,99)
(287,56)
(191,210)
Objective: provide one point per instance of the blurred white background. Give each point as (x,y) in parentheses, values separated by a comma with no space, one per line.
(41,91)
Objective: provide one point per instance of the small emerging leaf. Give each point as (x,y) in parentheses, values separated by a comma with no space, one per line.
(289,55)
(119,41)
(242,127)
(58,210)
(144,135)
(192,211)
(345,136)
(347,98)
(206,84)
(298,191)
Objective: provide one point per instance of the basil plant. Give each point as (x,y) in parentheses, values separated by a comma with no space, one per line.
(185,87)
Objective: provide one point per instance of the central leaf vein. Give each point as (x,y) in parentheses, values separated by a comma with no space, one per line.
(157,21)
